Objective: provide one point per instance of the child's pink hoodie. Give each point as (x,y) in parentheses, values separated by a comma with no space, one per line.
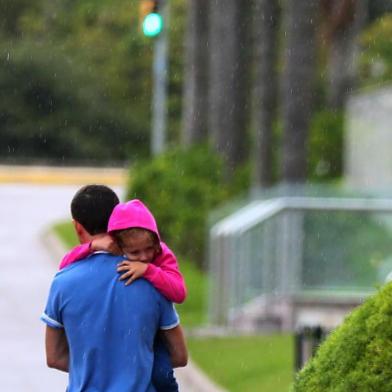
(163,272)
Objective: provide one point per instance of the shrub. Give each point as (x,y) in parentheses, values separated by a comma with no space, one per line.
(181,187)
(358,355)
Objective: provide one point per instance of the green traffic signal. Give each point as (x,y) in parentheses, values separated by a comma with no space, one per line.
(152,25)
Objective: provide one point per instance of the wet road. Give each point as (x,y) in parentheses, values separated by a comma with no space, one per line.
(26,270)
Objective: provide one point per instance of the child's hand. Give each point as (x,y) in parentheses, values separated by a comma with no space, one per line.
(105,242)
(133,270)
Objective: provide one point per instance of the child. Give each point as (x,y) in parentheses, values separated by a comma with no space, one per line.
(161,268)
(136,235)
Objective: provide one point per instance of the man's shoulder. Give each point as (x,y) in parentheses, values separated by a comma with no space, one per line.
(143,288)
(79,266)
(145,285)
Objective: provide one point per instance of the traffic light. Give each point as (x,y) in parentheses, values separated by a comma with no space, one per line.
(150,18)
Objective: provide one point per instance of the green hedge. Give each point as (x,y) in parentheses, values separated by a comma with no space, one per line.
(358,355)
(181,187)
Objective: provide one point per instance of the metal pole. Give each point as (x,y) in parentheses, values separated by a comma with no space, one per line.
(160,71)
(307,340)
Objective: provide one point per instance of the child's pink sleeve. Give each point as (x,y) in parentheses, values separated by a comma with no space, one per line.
(77,253)
(165,276)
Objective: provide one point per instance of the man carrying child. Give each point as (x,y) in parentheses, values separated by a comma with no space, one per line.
(99,330)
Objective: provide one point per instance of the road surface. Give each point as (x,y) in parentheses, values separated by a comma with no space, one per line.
(26,271)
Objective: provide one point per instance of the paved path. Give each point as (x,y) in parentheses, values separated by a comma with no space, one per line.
(26,271)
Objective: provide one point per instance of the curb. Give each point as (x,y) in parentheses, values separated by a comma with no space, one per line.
(190,378)
(53,245)
(62,175)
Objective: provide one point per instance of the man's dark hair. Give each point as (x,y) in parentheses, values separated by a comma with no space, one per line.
(92,206)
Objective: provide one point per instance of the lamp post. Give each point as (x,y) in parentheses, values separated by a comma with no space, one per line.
(154,21)
(160,74)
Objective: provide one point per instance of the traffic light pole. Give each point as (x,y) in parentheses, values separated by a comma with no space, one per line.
(160,72)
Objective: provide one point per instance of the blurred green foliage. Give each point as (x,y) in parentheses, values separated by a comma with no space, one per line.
(44,111)
(358,355)
(66,233)
(76,82)
(181,187)
(193,312)
(75,79)
(376,56)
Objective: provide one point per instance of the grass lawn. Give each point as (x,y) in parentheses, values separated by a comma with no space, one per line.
(244,364)
(64,230)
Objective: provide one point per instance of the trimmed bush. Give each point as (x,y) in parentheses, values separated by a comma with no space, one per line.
(181,187)
(357,356)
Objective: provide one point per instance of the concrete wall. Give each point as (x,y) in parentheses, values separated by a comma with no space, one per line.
(368,140)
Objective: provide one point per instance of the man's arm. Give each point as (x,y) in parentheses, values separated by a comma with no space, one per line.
(57,352)
(176,345)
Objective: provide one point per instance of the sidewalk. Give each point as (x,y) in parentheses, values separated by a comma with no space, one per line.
(26,271)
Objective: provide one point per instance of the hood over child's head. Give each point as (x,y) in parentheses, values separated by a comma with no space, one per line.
(132,214)
(129,216)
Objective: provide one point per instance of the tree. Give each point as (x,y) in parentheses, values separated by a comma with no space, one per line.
(228,79)
(378,8)
(299,67)
(48,115)
(10,13)
(345,19)
(265,42)
(195,104)
(376,56)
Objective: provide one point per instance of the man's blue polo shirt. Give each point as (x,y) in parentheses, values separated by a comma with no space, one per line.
(110,327)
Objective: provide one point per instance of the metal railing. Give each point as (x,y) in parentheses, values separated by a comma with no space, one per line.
(298,246)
